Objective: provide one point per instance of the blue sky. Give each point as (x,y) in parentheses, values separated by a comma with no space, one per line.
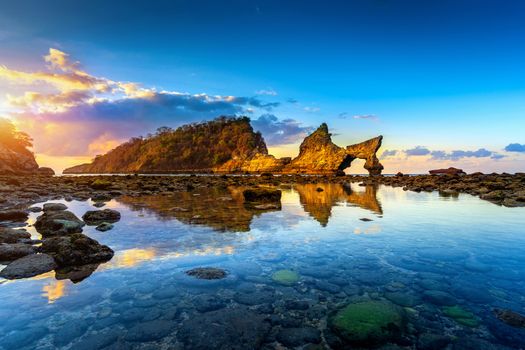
(443,75)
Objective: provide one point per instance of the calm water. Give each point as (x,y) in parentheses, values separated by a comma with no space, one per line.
(415,243)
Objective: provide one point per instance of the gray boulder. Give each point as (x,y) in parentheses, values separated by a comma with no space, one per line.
(28,266)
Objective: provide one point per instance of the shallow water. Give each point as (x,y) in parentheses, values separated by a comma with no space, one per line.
(415,243)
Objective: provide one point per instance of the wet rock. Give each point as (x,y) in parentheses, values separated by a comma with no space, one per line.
(510,317)
(24,337)
(369,323)
(98,341)
(13,215)
(461,316)
(206,303)
(430,341)
(76,249)
(365,219)
(150,331)
(232,329)
(103,227)
(256,297)
(476,295)
(449,171)
(75,273)
(28,266)
(70,331)
(207,273)
(97,217)
(54,207)
(296,304)
(9,235)
(439,298)
(286,277)
(58,223)
(292,337)
(10,252)
(327,286)
(403,299)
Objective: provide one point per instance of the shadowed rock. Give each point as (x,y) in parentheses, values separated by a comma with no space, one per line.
(97,217)
(28,266)
(58,223)
(76,249)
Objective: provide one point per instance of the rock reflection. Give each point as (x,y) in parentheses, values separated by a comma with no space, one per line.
(318,199)
(221,209)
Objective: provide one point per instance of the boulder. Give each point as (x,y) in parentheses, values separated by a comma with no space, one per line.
(207,273)
(58,223)
(510,317)
(97,217)
(13,215)
(10,252)
(449,171)
(44,171)
(76,249)
(9,235)
(54,207)
(28,266)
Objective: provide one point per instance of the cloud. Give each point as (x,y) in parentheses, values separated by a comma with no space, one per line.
(72,113)
(458,154)
(292,100)
(366,117)
(343,115)
(389,153)
(312,109)
(497,156)
(417,151)
(280,132)
(267,92)
(515,147)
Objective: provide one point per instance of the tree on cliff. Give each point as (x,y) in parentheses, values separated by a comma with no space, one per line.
(13,139)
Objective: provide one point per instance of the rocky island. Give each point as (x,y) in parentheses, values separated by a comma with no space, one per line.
(228,145)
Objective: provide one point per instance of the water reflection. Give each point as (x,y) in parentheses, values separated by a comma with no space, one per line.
(318,199)
(221,209)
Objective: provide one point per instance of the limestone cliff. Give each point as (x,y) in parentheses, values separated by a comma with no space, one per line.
(319,155)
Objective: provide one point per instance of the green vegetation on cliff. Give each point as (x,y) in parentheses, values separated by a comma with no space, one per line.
(201,146)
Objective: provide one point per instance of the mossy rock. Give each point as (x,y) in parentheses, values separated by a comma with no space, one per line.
(461,316)
(286,277)
(100,184)
(369,323)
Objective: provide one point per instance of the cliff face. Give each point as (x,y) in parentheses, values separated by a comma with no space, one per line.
(196,147)
(16,161)
(319,155)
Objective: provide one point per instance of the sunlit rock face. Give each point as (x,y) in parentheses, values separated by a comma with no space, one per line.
(229,145)
(16,161)
(319,155)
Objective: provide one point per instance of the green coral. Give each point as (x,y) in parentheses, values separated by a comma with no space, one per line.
(369,323)
(286,277)
(461,316)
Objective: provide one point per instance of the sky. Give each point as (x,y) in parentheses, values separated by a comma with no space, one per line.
(442,80)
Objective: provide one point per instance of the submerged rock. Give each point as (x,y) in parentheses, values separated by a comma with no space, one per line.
(207,273)
(286,277)
(292,337)
(58,223)
(97,217)
(76,249)
(75,273)
(461,316)
(369,323)
(226,329)
(28,266)
(510,317)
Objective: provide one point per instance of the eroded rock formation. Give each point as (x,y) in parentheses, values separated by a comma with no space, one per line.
(319,155)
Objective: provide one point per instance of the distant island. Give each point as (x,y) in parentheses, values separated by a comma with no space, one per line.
(228,145)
